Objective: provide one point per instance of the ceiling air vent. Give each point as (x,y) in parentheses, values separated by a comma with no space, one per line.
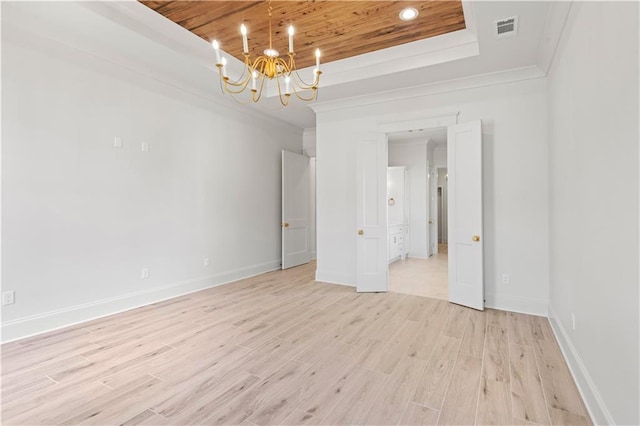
(507,27)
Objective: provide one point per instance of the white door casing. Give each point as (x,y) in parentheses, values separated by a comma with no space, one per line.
(371,233)
(295,210)
(464,164)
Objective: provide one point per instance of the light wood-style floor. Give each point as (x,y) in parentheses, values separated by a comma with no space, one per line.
(282,349)
(422,277)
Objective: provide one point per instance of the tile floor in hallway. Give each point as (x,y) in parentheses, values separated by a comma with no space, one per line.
(421,277)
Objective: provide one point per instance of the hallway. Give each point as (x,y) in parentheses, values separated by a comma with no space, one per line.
(421,277)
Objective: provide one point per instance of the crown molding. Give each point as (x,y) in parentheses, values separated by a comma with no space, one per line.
(454,85)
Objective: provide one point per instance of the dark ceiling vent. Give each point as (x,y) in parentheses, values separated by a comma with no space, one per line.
(507,27)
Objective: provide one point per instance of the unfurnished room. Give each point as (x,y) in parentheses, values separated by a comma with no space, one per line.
(320,212)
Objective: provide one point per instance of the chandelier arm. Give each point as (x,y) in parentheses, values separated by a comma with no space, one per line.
(244,78)
(246,101)
(314,95)
(258,64)
(235,87)
(303,83)
(286,69)
(269,66)
(284,98)
(255,96)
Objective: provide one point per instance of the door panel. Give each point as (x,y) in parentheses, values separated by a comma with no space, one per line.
(296,203)
(464,163)
(372,215)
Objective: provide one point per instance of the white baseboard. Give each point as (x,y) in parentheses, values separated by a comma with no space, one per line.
(598,411)
(60,318)
(523,305)
(335,278)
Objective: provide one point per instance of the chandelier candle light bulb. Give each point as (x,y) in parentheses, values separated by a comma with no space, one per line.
(216,47)
(224,67)
(318,59)
(291,31)
(245,43)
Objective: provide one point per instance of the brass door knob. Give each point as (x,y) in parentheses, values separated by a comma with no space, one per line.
(430,222)
(286,225)
(476,238)
(360,232)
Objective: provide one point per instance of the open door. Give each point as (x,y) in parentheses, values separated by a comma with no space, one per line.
(296,204)
(464,163)
(372,260)
(433,211)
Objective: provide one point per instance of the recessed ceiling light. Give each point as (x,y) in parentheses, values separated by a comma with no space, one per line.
(408,14)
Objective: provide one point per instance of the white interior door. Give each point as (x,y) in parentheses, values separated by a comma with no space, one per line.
(464,163)
(296,203)
(372,260)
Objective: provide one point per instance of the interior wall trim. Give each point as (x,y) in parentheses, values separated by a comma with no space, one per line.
(454,85)
(588,391)
(72,315)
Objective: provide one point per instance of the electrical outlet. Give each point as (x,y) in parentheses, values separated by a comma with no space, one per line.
(9,297)
(117,142)
(145,273)
(573,321)
(206,261)
(505,278)
(145,147)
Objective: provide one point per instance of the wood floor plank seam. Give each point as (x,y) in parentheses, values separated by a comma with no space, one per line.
(484,345)
(446,390)
(52,380)
(546,403)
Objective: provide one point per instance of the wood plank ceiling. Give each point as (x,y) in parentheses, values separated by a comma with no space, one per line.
(341,29)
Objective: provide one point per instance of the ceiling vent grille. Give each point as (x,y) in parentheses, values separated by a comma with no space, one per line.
(507,27)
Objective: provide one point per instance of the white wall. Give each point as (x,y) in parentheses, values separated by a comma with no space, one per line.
(440,156)
(309,148)
(593,126)
(413,155)
(82,218)
(515,184)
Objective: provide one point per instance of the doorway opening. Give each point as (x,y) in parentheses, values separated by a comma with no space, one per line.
(417,212)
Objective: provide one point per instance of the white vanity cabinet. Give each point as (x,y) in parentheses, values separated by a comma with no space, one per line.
(397,243)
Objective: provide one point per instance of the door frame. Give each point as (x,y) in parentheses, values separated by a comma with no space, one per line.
(426,123)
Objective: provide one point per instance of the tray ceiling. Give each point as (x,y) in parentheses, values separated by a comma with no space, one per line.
(341,29)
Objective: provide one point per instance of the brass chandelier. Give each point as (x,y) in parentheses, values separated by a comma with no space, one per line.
(268,66)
